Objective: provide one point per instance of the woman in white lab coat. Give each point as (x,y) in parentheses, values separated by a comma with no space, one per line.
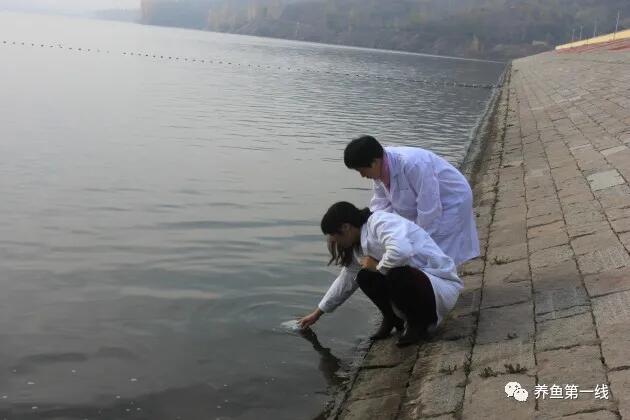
(396,264)
(422,187)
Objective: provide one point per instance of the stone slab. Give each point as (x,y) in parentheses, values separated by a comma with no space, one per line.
(436,395)
(576,198)
(440,357)
(587,228)
(566,332)
(486,398)
(608,282)
(603,260)
(380,408)
(545,229)
(372,383)
(615,342)
(545,219)
(505,254)
(560,367)
(595,415)
(560,299)
(612,317)
(472,267)
(495,324)
(512,272)
(506,294)
(385,353)
(456,327)
(468,302)
(613,150)
(548,241)
(615,197)
(590,243)
(472,281)
(563,313)
(605,179)
(501,356)
(619,385)
(550,256)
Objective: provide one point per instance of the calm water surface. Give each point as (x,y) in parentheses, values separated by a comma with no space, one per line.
(159,218)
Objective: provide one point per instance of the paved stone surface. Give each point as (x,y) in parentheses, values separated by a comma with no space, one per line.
(612,316)
(548,302)
(372,383)
(498,324)
(620,381)
(372,409)
(579,366)
(513,272)
(550,256)
(566,332)
(486,399)
(595,415)
(504,356)
(385,353)
(436,395)
(603,180)
(608,282)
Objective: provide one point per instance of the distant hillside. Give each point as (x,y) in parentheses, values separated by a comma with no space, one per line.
(469,28)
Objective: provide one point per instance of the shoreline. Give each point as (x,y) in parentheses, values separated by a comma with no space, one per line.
(543,307)
(483,132)
(486,132)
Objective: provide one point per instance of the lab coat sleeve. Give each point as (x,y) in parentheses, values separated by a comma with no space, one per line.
(391,233)
(341,289)
(379,199)
(424,181)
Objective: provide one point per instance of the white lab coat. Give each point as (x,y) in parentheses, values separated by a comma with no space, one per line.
(397,242)
(432,193)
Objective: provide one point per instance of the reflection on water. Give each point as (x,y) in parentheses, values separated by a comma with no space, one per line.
(329,365)
(160,220)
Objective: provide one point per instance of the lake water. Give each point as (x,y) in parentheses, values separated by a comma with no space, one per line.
(160,217)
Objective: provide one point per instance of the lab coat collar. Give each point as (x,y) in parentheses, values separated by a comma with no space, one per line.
(393,165)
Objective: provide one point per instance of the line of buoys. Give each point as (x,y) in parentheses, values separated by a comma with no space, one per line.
(444,83)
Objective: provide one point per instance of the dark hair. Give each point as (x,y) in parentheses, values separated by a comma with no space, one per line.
(361,152)
(338,214)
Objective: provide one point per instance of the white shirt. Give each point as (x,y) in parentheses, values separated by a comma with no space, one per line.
(397,242)
(432,193)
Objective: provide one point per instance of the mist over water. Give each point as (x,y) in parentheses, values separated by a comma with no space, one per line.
(160,218)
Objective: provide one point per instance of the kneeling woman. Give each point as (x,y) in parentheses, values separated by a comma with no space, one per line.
(395,263)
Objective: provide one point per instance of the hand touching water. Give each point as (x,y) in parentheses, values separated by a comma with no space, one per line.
(310,319)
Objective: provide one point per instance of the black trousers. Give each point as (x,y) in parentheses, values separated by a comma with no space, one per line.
(406,287)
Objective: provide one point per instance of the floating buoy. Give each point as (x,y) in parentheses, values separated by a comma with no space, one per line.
(443,83)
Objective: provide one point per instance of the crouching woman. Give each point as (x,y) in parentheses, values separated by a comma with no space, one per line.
(395,263)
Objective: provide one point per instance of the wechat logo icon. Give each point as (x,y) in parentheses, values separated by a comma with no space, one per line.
(514,390)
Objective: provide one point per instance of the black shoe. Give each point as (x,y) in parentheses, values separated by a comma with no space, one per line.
(386,328)
(411,335)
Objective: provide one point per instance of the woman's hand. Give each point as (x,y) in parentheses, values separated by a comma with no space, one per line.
(310,319)
(368,263)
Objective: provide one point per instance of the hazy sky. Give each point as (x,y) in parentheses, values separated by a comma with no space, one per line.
(67,6)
